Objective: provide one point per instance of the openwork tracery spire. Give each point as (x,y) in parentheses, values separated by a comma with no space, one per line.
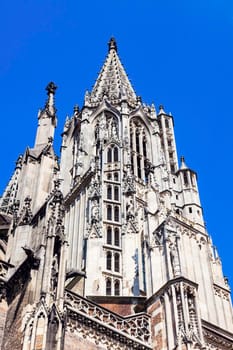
(112,82)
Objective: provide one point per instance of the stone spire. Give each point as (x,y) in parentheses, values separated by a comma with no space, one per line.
(112,82)
(47,120)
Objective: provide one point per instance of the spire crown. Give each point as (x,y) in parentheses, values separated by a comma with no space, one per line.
(49,106)
(51,88)
(112,45)
(112,83)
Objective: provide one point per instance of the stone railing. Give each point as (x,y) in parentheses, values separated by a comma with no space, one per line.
(136,326)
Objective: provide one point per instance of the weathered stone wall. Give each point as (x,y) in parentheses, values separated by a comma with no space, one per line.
(158,335)
(18,298)
(74,340)
(120,309)
(13,327)
(3,313)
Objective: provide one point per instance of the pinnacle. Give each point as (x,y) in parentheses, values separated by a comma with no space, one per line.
(183,164)
(51,88)
(161,110)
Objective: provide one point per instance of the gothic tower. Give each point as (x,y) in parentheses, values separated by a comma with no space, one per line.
(108,248)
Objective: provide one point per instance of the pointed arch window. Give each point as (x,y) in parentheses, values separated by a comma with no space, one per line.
(116,287)
(117,262)
(116,213)
(139,170)
(185,176)
(116,177)
(117,237)
(108,287)
(109,155)
(137,142)
(109,192)
(144,147)
(116,193)
(109,212)
(109,235)
(109,261)
(166,123)
(115,154)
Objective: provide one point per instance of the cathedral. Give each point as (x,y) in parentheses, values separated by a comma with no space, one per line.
(105,247)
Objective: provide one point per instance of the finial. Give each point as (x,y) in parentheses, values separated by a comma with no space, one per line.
(76,109)
(139,99)
(182,163)
(112,45)
(51,88)
(49,106)
(153,111)
(161,110)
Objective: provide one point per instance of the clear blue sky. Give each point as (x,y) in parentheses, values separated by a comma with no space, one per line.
(176,53)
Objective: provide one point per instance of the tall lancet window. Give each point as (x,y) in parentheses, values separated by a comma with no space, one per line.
(109,212)
(109,155)
(109,235)
(108,286)
(109,192)
(109,261)
(139,151)
(115,154)
(116,287)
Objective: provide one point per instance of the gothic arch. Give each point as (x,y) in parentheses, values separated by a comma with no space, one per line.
(104,107)
(107,127)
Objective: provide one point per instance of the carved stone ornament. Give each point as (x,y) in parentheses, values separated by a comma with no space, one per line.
(216,342)
(94,228)
(175,261)
(158,237)
(95,212)
(25,216)
(54,274)
(188,336)
(133,331)
(129,183)
(94,189)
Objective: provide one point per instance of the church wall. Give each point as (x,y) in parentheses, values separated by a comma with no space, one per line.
(94,267)
(22,236)
(130,265)
(80,342)
(13,334)
(3,314)
(123,306)
(27,179)
(158,335)
(44,182)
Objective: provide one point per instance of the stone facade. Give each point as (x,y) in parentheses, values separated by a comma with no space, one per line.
(107,249)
